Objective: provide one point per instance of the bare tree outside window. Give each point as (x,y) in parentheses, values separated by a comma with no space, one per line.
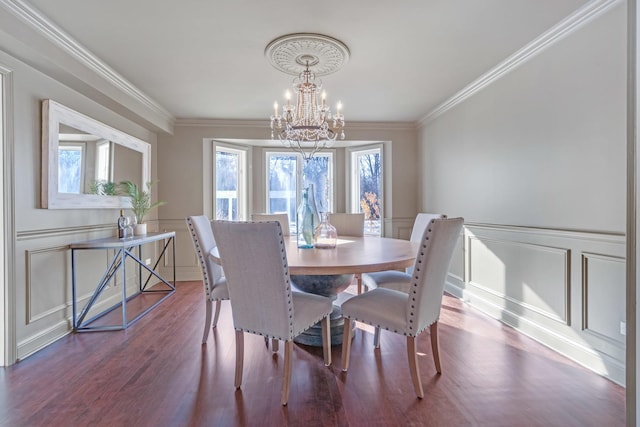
(367,188)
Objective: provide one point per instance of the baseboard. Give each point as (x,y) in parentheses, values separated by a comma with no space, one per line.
(591,359)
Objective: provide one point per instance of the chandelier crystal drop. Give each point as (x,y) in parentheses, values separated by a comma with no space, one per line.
(305,127)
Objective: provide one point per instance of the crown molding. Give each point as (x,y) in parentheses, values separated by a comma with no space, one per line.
(236,123)
(41,24)
(565,27)
(224,123)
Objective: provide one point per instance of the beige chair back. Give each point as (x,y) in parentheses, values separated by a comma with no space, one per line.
(282,218)
(421,221)
(348,224)
(215,284)
(255,262)
(430,272)
(204,243)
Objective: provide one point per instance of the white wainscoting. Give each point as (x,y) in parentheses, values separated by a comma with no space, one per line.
(187,267)
(565,289)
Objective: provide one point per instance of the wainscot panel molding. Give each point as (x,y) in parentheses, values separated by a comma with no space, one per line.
(564,288)
(398,228)
(603,283)
(187,267)
(44,279)
(85,232)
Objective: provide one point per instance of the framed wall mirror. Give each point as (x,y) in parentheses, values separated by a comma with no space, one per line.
(84,159)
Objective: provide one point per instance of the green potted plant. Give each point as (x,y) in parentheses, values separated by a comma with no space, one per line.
(103,188)
(140,203)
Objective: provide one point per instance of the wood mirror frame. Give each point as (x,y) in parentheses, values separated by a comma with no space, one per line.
(53,116)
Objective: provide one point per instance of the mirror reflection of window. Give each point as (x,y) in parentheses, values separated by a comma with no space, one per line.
(103,161)
(70,167)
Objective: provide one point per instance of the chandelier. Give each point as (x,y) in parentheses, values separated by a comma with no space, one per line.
(308,125)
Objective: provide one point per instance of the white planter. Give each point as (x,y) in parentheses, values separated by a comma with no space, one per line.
(140,229)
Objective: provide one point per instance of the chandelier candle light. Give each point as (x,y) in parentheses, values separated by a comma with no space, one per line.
(305,127)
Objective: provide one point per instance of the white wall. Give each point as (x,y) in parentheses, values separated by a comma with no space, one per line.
(535,163)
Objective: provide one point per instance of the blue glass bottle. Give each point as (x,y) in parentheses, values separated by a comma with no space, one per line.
(304,222)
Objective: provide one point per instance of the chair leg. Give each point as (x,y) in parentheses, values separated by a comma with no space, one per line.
(217,315)
(239,357)
(326,340)
(358,278)
(207,321)
(376,338)
(286,381)
(413,366)
(275,345)
(433,330)
(346,344)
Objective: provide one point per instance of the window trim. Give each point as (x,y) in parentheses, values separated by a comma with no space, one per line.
(299,174)
(350,183)
(244,193)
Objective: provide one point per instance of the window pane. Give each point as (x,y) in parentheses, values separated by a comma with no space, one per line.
(368,188)
(317,171)
(69,169)
(281,190)
(102,162)
(227,185)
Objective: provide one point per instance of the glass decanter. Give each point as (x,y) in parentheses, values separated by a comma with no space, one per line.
(325,235)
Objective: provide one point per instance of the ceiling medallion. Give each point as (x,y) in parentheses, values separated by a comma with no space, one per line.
(290,53)
(304,125)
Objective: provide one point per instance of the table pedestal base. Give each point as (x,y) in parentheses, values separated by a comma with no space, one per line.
(313,335)
(331,286)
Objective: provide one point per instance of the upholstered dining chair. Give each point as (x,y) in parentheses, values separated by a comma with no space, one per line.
(215,283)
(394,279)
(282,218)
(255,262)
(410,313)
(349,224)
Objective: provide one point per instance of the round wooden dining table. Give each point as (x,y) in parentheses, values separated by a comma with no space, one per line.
(352,255)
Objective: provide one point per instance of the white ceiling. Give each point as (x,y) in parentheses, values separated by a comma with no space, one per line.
(204,59)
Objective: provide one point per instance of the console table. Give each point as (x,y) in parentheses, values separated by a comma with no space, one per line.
(124,249)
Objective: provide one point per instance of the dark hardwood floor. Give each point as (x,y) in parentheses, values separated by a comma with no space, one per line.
(157,373)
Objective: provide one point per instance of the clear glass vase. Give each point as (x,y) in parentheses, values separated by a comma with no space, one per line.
(325,235)
(304,222)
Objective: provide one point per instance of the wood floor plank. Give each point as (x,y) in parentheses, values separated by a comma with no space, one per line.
(157,373)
